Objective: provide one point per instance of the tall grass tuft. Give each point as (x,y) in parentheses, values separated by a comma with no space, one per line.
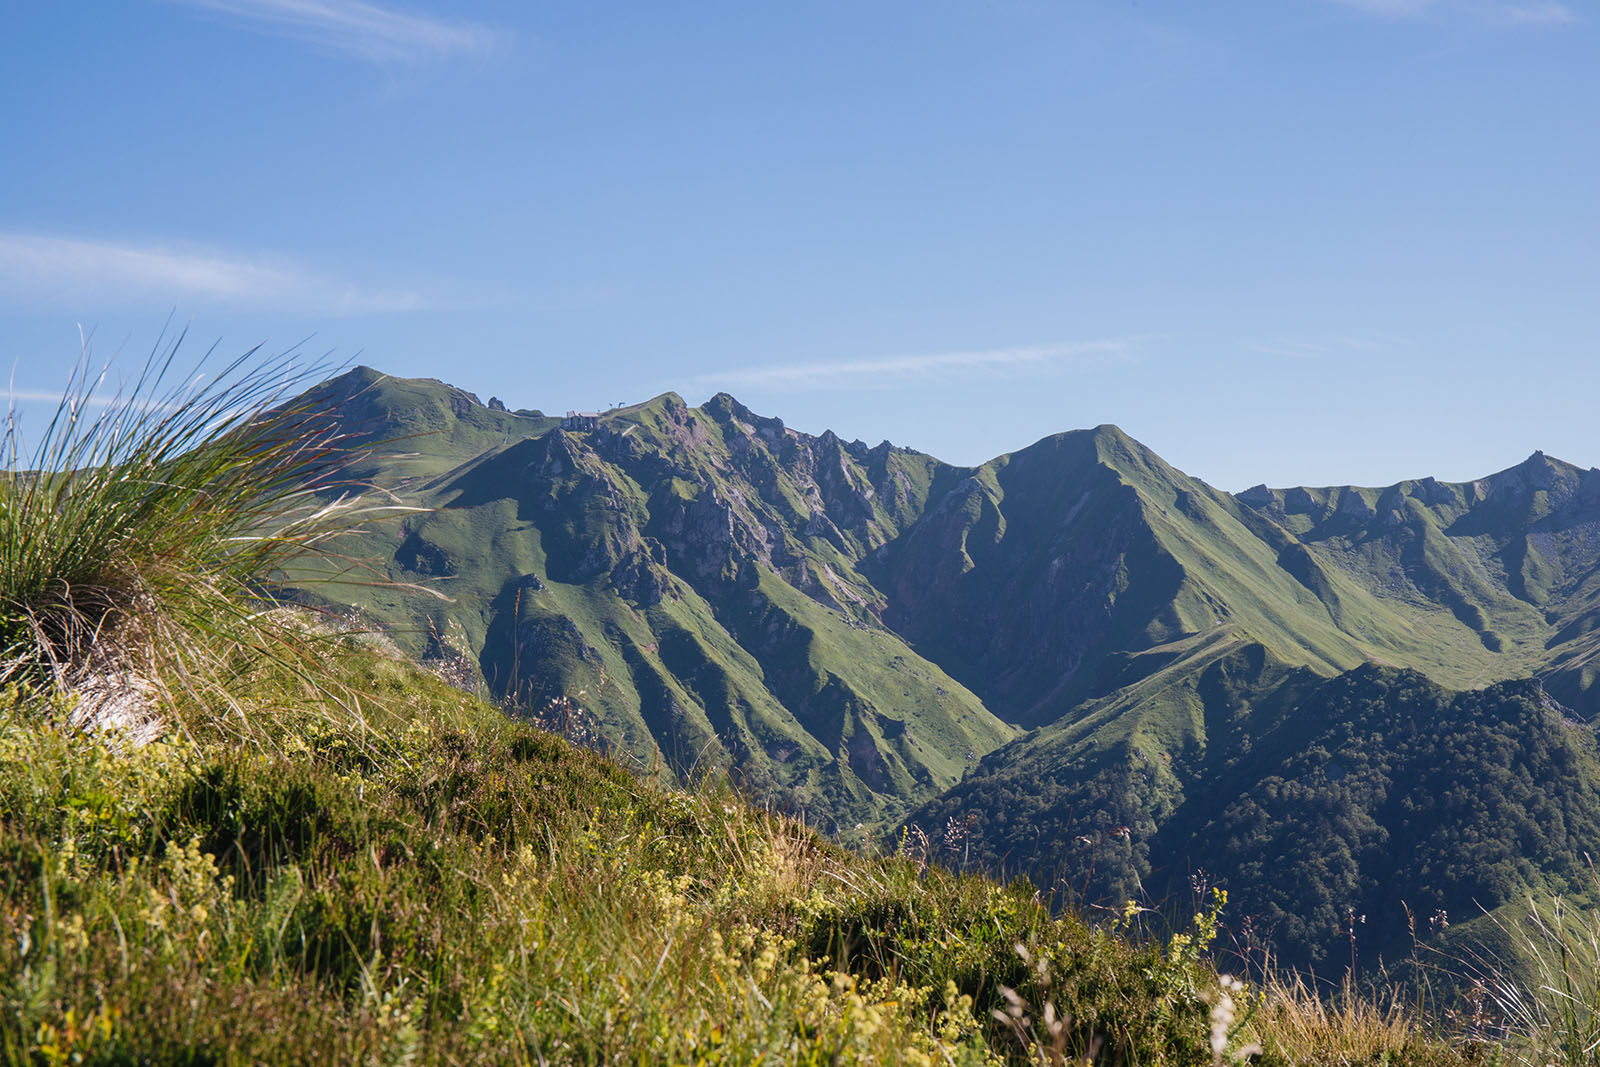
(1299,1023)
(1550,1009)
(140,532)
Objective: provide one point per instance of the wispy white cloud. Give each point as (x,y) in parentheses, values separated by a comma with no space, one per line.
(851,374)
(1287,348)
(104,397)
(1327,348)
(380,34)
(1531,12)
(1540,14)
(42,396)
(36,268)
(1390,8)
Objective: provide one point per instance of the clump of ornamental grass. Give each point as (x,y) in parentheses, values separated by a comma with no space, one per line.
(141,531)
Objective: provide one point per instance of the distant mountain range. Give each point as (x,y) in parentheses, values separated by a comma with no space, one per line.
(1073,661)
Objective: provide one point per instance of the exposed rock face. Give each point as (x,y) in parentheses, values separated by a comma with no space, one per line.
(422,557)
(642,576)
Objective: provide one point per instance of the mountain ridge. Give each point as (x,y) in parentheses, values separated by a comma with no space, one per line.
(880,638)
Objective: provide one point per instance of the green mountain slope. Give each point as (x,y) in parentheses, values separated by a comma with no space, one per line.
(690,576)
(1514,559)
(1145,666)
(1304,796)
(1137,593)
(1048,577)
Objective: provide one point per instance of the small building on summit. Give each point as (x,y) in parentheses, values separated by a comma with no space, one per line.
(581,420)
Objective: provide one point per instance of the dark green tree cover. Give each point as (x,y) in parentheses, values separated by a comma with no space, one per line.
(1353,798)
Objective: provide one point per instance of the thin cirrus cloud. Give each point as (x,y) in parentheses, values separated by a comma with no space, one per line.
(354,27)
(1287,348)
(1538,13)
(852,374)
(1541,14)
(1328,348)
(36,396)
(37,269)
(1390,8)
(15,398)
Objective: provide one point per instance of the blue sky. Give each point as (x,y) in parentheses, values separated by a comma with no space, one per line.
(1293,241)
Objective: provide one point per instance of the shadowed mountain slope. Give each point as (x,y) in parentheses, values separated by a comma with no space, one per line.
(1306,797)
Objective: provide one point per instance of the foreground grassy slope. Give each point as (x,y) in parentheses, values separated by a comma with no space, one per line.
(434,883)
(427,882)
